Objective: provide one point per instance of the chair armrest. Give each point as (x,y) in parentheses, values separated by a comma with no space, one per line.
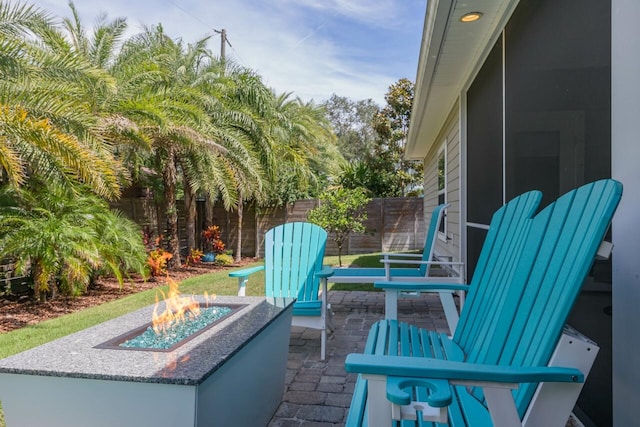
(243,277)
(422,286)
(387,255)
(423,367)
(419,262)
(325,272)
(245,272)
(439,391)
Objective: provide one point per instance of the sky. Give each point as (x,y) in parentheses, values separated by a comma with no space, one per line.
(312,48)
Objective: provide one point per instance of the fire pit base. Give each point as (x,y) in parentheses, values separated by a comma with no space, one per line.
(232,375)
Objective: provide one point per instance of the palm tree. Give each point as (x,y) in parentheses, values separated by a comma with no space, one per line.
(63,238)
(177,92)
(356,174)
(248,105)
(47,129)
(305,146)
(214,169)
(100,46)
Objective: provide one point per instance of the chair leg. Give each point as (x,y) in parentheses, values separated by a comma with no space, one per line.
(461,295)
(323,345)
(242,286)
(391,304)
(329,318)
(450,310)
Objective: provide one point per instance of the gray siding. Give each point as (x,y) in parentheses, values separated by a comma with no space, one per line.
(450,134)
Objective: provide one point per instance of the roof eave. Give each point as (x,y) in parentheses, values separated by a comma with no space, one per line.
(439,81)
(436,21)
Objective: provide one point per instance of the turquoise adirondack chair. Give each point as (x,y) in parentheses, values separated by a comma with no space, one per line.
(506,223)
(511,360)
(415,268)
(293,255)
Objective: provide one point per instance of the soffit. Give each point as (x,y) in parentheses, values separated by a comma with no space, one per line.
(449,55)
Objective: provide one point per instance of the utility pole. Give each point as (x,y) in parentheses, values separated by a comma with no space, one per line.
(223,43)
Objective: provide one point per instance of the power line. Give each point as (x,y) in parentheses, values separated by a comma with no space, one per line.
(191,15)
(223,33)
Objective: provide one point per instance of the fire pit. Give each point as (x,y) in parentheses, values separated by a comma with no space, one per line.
(230,373)
(148,338)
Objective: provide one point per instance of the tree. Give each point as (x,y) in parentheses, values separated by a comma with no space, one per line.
(352,122)
(47,128)
(395,176)
(373,140)
(99,47)
(168,85)
(88,109)
(63,238)
(341,212)
(248,103)
(374,177)
(305,146)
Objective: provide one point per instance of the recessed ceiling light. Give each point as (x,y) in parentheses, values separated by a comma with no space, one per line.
(471,16)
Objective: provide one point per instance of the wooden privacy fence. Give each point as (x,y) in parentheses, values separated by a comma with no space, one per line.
(10,281)
(393,224)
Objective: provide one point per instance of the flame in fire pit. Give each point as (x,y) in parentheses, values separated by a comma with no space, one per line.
(177,309)
(181,319)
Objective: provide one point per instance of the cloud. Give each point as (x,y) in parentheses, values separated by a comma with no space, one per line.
(378,13)
(314,48)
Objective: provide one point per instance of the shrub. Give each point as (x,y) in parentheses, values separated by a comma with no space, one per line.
(195,257)
(63,239)
(157,261)
(212,239)
(224,259)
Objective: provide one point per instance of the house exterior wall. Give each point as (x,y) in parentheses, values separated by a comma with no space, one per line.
(625,109)
(450,135)
(529,97)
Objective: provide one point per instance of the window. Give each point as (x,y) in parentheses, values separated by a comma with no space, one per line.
(442,188)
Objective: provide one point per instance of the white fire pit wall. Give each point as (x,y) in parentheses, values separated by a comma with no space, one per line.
(231,375)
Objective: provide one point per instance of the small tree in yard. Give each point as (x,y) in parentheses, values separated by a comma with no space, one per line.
(340,213)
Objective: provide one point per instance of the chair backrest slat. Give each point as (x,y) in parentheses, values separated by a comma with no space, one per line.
(293,253)
(290,257)
(495,267)
(437,216)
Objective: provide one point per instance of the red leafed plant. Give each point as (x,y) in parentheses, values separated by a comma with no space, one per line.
(195,257)
(157,257)
(157,261)
(212,239)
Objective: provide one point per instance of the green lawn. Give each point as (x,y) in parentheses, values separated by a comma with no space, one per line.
(218,283)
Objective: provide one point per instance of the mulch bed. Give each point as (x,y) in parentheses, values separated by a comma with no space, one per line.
(19,311)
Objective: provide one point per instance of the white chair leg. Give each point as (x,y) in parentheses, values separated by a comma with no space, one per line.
(329,318)
(502,407)
(391,304)
(450,310)
(380,411)
(553,402)
(242,286)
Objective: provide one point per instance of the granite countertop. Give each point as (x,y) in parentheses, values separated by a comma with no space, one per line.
(190,364)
